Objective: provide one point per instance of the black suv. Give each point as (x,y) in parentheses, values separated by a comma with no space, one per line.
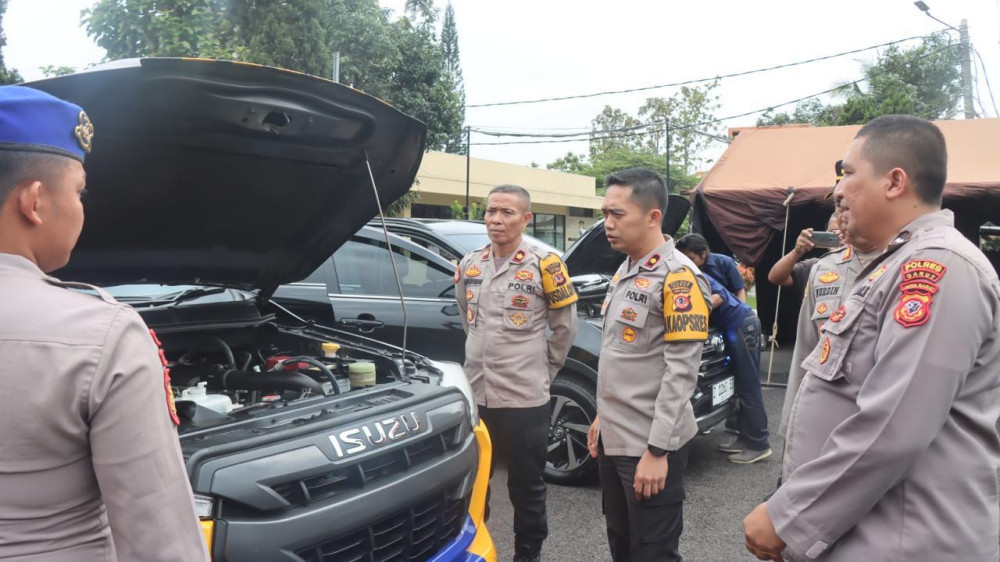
(366,300)
(212,183)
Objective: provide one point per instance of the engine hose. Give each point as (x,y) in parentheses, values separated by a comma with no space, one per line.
(280,365)
(220,343)
(248,380)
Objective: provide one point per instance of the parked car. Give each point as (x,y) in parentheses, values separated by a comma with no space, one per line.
(359,284)
(212,183)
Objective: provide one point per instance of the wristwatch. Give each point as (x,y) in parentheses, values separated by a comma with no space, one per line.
(656,451)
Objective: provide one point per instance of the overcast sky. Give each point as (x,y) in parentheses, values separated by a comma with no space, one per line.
(520,49)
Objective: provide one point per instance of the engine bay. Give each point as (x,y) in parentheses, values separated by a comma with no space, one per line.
(217,377)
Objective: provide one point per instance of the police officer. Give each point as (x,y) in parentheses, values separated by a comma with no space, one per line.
(793,271)
(723,268)
(655,325)
(90,464)
(508,293)
(892,448)
(830,281)
(741,327)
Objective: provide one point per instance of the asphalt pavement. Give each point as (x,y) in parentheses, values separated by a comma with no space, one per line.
(719,495)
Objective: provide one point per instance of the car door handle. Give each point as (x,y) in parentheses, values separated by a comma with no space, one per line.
(365,323)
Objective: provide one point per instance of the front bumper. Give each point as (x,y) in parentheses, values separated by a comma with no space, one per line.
(475,543)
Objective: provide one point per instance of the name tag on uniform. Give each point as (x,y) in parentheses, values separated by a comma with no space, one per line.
(636,296)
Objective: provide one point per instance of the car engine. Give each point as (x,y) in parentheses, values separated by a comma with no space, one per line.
(215,380)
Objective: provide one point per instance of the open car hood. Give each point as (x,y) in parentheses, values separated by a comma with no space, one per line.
(221,173)
(592,254)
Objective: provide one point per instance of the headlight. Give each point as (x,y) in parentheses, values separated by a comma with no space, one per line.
(454,376)
(204,506)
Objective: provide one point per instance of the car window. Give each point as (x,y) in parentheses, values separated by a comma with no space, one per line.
(363,268)
(432,246)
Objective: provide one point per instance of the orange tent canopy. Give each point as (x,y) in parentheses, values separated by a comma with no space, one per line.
(742,196)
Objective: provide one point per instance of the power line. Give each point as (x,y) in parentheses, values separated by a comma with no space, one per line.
(699,80)
(987,77)
(563,137)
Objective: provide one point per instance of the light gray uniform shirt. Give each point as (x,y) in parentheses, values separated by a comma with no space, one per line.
(90,465)
(892,449)
(829,281)
(505,311)
(655,326)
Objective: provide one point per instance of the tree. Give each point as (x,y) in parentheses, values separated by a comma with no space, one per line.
(620,140)
(395,61)
(397,207)
(419,10)
(614,119)
(453,64)
(605,163)
(475,210)
(52,70)
(924,80)
(160,28)
(7,75)
(288,34)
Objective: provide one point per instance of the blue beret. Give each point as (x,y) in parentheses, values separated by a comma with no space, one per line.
(34,121)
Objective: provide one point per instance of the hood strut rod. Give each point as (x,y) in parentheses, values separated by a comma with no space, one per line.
(392,259)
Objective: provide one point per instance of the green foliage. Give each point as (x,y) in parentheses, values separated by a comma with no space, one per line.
(164,28)
(52,70)
(600,165)
(397,207)
(7,75)
(475,210)
(396,61)
(453,65)
(924,80)
(687,111)
(645,147)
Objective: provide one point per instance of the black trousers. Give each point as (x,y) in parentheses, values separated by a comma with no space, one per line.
(643,530)
(520,436)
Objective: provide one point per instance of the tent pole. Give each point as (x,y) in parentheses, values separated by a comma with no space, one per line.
(777,302)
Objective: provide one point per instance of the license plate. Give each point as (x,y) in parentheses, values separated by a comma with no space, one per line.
(722,391)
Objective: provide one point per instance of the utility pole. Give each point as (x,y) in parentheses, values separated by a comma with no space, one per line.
(966,54)
(666,130)
(468,166)
(336,67)
(963,33)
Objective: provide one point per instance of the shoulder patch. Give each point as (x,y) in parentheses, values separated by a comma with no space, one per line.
(556,285)
(920,282)
(458,273)
(685,310)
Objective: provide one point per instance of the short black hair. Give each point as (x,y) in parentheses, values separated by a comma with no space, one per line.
(913,144)
(513,190)
(17,166)
(649,190)
(693,242)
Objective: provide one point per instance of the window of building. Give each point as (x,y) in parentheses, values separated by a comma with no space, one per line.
(550,229)
(581,212)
